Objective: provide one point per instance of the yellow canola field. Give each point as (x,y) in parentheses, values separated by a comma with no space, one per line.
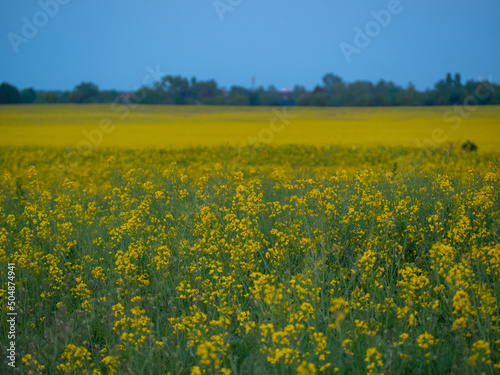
(320,258)
(183,126)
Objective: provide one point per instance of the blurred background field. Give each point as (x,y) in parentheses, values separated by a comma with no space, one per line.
(177,127)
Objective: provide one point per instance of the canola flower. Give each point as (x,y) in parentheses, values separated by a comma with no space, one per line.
(308,260)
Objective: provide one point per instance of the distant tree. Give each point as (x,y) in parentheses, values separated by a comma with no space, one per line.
(107,96)
(253,98)
(177,89)
(361,93)
(429,97)
(218,100)
(382,94)
(450,91)
(449,80)
(85,92)
(304,99)
(238,90)
(318,89)
(408,97)
(487,90)
(269,98)
(495,97)
(320,99)
(28,96)
(48,97)
(64,97)
(238,99)
(9,94)
(272,88)
(298,90)
(443,91)
(457,96)
(149,95)
(330,81)
(332,92)
(203,89)
(470,86)
(238,96)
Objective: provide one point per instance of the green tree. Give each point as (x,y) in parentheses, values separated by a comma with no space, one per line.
(238,96)
(218,100)
(443,90)
(361,94)
(305,99)
(298,90)
(321,99)
(85,92)
(495,97)
(449,80)
(176,88)
(272,88)
(330,81)
(9,94)
(200,90)
(47,97)
(408,97)
(386,93)
(238,99)
(269,98)
(28,96)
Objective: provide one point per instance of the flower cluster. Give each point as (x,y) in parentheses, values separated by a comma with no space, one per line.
(302,262)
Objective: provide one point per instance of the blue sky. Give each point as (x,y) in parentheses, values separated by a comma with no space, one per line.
(282,42)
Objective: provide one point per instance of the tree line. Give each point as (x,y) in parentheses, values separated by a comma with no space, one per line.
(332,91)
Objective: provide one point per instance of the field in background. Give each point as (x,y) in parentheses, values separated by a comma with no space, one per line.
(184,126)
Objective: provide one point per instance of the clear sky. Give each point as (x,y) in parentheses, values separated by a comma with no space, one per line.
(282,42)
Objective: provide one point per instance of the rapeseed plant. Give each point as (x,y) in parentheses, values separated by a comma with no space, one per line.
(293,264)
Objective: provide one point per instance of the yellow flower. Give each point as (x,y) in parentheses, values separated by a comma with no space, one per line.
(425,340)
(480,352)
(306,368)
(374,361)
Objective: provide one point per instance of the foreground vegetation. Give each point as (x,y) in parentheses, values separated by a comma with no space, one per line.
(302,260)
